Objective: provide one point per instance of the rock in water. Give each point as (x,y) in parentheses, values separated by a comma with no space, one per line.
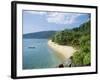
(61,66)
(68,63)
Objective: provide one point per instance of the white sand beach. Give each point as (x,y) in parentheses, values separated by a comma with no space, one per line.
(65,51)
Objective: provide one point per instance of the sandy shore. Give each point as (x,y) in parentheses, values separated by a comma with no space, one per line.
(65,51)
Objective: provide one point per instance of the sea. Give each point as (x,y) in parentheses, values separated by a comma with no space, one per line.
(37,54)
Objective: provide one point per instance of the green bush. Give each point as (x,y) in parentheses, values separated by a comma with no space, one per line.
(87,59)
(77,59)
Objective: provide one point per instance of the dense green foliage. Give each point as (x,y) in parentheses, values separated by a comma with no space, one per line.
(79,38)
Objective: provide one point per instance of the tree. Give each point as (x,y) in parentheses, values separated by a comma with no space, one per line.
(87,59)
(77,59)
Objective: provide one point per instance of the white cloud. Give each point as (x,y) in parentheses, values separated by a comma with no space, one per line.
(36,12)
(62,18)
(58,17)
(72,18)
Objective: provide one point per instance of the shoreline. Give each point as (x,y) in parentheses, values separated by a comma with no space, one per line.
(65,51)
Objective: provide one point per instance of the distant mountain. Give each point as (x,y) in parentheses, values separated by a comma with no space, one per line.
(39,35)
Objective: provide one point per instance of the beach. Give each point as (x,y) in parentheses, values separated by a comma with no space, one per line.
(65,51)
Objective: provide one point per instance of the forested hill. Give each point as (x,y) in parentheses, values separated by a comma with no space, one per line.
(68,37)
(79,38)
(39,35)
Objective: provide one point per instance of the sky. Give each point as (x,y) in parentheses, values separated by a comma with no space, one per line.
(36,21)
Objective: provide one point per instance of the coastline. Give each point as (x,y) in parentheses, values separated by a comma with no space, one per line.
(65,51)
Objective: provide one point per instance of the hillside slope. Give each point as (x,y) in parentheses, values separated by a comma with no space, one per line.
(80,39)
(39,35)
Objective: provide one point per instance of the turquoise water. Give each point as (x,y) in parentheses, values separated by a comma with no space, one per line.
(37,54)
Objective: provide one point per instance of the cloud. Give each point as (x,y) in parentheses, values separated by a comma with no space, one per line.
(58,17)
(72,18)
(36,12)
(62,18)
